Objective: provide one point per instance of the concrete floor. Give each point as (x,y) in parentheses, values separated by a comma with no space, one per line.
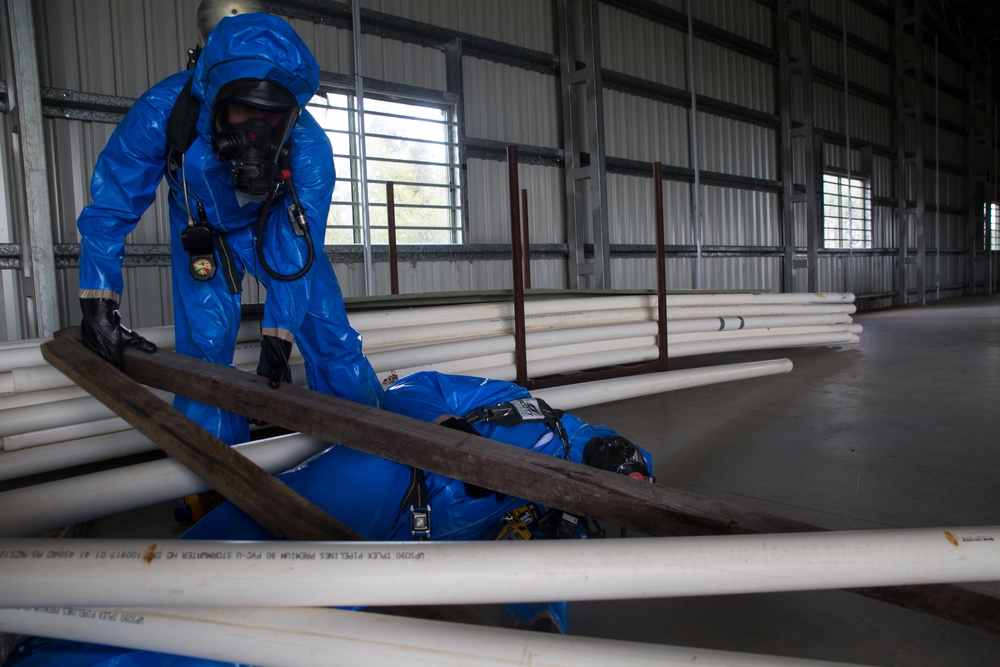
(901,430)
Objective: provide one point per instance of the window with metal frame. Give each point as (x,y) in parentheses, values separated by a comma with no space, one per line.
(847,212)
(410,144)
(992,224)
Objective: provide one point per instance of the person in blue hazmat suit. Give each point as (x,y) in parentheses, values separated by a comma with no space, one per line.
(249,194)
(374,496)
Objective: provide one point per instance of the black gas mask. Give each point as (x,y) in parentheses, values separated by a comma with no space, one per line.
(251,122)
(617,454)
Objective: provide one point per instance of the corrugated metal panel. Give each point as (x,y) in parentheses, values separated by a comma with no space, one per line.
(661,56)
(636,128)
(504,103)
(428,277)
(743,218)
(863,70)
(489,202)
(747,19)
(726,75)
(737,149)
(383,59)
(121,47)
(113,47)
(732,273)
(526,23)
(631,199)
(861,21)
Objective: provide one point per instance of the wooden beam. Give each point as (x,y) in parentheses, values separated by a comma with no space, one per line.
(653,509)
(248,486)
(551,481)
(276,507)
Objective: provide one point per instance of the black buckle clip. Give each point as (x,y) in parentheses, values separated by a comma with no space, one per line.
(420,522)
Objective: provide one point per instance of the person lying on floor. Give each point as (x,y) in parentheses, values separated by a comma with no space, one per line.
(373,496)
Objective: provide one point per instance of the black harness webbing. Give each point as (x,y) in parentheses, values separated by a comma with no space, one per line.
(520,411)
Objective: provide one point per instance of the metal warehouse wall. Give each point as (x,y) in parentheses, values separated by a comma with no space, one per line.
(734,230)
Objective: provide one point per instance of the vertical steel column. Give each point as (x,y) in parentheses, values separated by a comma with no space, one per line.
(38,259)
(390,216)
(520,343)
(979,191)
(359,94)
(525,239)
(663,363)
(583,145)
(790,131)
(696,208)
(909,165)
(455,75)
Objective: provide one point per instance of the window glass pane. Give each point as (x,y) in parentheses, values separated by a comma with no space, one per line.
(410,145)
(992,226)
(846,212)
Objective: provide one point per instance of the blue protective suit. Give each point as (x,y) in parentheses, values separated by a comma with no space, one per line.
(309,310)
(365,493)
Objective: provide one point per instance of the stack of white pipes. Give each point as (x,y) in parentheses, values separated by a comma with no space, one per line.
(48,423)
(263,602)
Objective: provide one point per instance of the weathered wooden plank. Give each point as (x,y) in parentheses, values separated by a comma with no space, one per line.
(649,508)
(251,488)
(512,470)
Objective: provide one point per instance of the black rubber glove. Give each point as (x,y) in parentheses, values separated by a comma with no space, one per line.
(102,331)
(274,354)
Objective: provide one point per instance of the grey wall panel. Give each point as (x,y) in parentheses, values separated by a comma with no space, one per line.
(632,200)
(863,69)
(718,273)
(950,108)
(884,232)
(737,149)
(505,103)
(639,47)
(333,48)
(637,128)
(489,202)
(747,19)
(723,74)
(382,59)
(526,23)
(113,47)
(868,122)
(741,218)
(428,277)
(864,22)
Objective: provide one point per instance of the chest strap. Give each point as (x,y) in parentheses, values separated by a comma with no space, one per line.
(522,411)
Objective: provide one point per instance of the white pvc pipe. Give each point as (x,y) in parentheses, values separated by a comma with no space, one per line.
(762,333)
(585,324)
(41,377)
(26,353)
(502,366)
(570,397)
(31,509)
(77,431)
(394,337)
(60,455)
(36,417)
(122,572)
(442,314)
(278,637)
(564,342)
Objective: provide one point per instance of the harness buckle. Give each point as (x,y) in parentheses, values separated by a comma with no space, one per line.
(420,522)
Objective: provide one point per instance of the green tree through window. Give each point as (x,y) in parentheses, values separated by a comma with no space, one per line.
(411,145)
